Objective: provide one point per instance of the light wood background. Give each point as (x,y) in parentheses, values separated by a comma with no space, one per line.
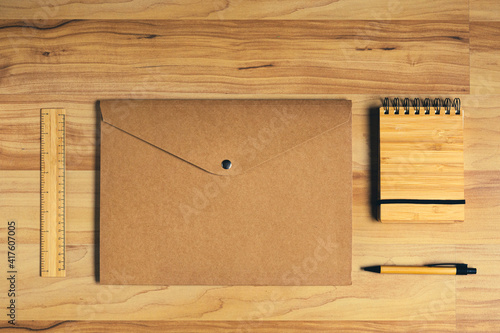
(69,54)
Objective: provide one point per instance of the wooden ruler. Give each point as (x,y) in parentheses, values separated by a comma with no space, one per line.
(52,190)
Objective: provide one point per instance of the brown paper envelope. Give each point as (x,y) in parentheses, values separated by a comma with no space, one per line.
(170,214)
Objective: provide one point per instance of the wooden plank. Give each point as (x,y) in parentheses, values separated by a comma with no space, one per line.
(20,131)
(479,326)
(20,201)
(20,190)
(94,67)
(19,126)
(484,10)
(294,57)
(235,326)
(484,58)
(238,10)
(370,297)
(478,298)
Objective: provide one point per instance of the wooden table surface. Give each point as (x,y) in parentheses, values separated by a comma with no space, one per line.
(71,53)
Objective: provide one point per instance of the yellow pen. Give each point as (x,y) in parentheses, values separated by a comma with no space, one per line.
(443,269)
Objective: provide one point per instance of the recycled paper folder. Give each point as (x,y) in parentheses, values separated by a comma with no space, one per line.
(225,192)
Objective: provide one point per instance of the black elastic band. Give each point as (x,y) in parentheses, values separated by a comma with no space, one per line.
(422,201)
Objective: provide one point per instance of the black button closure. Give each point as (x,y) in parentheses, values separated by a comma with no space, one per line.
(226,164)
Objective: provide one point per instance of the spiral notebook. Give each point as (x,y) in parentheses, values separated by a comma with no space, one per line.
(421,161)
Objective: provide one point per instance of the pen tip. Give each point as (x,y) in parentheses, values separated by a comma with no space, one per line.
(374,269)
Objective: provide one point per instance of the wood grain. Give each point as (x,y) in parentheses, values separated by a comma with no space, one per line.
(19,193)
(479,299)
(371,296)
(484,10)
(311,57)
(238,10)
(485,55)
(19,189)
(47,61)
(479,326)
(19,126)
(233,326)
(20,131)
(20,201)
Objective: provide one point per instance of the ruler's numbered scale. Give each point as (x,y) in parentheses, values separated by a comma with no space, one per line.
(52,193)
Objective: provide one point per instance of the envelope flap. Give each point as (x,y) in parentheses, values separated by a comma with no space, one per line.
(205,133)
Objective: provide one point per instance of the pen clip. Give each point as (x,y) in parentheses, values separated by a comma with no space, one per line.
(462,269)
(445,265)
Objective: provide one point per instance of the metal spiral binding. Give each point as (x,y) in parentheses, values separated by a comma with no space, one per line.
(427,106)
(447,106)
(406,105)
(386,105)
(456,105)
(417,104)
(395,105)
(437,105)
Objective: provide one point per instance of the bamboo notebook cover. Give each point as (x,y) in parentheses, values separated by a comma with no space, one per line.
(421,162)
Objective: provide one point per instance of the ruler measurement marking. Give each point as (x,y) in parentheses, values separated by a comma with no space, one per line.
(52,190)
